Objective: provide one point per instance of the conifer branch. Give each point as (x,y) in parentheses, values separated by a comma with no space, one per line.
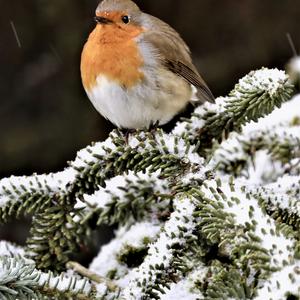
(130,197)
(255,96)
(19,279)
(212,229)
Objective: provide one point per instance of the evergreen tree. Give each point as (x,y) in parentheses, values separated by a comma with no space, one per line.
(208,211)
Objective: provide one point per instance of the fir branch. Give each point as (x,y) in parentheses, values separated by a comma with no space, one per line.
(163,264)
(256,96)
(281,200)
(129,197)
(240,153)
(55,236)
(31,194)
(227,283)
(126,251)
(153,151)
(241,239)
(177,221)
(19,279)
(53,241)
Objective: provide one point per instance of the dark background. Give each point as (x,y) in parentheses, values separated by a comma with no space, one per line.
(45,117)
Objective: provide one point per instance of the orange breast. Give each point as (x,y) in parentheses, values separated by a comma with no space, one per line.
(111,51)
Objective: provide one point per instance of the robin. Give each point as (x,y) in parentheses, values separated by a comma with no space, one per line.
(136,70)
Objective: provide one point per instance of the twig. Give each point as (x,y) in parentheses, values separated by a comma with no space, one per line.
(91,275)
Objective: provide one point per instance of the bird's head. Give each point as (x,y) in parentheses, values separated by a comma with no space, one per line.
(120,17)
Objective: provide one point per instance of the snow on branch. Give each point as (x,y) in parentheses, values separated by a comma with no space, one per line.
(129,197)
(19,279)
(255,246)
(208,211)
(269,145)
(18,194)
(260,156)
(281,199)
(126,251)
(9,249)
(165,257)
(255,96)
(286,282)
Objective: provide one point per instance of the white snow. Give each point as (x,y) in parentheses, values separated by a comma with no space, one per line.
(286,281)
(101,289)
(160,253)
(263,169)
(280,248)
(259,170)
(230,150)
(167,144)
(65,282)
(185,288)
(169,141)
(268,80)
(288,111)
(180,291)
(195,178)
(196,121)
(9,249)
(13,187)
(118,186)
(107,259)
(92,153)
(283,193)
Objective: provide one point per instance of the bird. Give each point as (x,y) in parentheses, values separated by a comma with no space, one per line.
(136,69)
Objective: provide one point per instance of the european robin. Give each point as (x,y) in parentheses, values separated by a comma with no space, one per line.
(136,69)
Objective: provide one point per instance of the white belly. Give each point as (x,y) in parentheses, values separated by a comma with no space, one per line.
(140,106)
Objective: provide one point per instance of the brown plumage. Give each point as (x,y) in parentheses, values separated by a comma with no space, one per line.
(176,56)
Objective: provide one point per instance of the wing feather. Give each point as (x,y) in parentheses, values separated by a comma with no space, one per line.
(203,91)
(175,55)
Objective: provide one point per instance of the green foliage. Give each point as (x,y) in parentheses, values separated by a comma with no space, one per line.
(64,237)
(256,96)
(134,199)
(21,280)
(211,225)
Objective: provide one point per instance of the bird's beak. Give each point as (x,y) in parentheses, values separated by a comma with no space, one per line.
(102,20)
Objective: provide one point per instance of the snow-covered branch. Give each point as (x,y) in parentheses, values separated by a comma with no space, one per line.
(208,211)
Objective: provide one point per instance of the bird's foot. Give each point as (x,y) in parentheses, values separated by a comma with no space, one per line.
(153,127)
(127,133)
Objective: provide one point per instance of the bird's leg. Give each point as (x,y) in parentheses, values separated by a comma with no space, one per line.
(153,126)
(127,133)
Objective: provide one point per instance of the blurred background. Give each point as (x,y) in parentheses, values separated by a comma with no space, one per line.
(45,116)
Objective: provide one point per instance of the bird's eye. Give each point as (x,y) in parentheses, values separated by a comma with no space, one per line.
(125,19)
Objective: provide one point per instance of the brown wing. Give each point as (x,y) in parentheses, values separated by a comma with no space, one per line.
(203,91)
(175,55)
